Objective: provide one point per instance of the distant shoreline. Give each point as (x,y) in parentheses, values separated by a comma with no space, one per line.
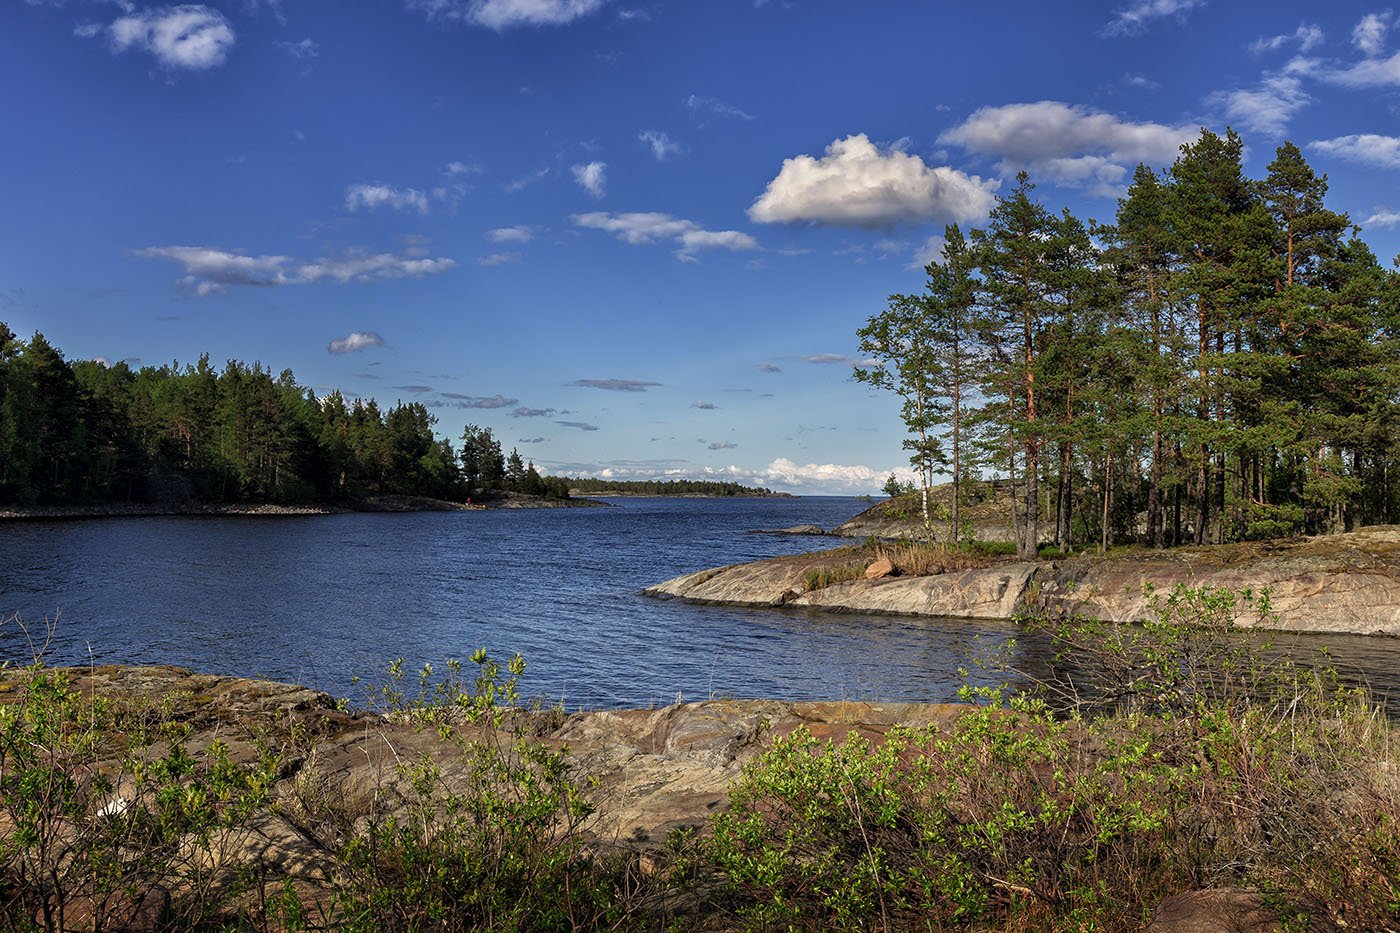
(250,510)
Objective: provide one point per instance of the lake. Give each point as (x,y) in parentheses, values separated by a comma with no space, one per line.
(324,600)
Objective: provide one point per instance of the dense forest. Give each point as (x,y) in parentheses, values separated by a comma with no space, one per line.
(676,487)
(1221,363)
(90,433)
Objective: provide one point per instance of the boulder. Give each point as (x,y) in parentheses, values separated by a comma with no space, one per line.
(879,569)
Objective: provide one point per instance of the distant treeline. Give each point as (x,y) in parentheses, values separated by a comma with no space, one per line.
(88,433)
(674,487)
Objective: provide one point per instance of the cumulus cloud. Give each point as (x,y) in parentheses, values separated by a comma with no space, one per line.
(643,228)
(1369,33)
(1384,217)
(592,177)
(533,413)
(577,425)
(1068,144)
(830,477)
(373,197)
(355,341)
(616,385)
(516,234)
(661,145)
(1137,17)
(504,14)
(455,169)
(190,36)
(703,405)
(498,259)
(1364,148)
(769,368)
(209,270)
(1307,35)
(698,104)
(1265,108)
(857,184)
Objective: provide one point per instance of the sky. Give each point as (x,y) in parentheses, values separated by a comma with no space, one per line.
(635,239)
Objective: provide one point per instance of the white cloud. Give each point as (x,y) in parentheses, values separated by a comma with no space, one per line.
(1384,217)
(592,177)
(517,234)
(1373,72)
(454,169)
(662,146)
(1365,148)
(1069,144)
(304,49)
(930,251)
(698,104)
(1307,35)
(1369,33)
(704,405)
(644,228)
(1137,17)
(190,36)
(856,184)
(498,259)
(355,341)
(1265,108)
(503,14)
(372,197)
(825,477)
(209,270)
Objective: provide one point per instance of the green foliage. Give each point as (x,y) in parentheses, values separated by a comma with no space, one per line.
(1218,772)
(1222,364)
(497,844)
(102,808)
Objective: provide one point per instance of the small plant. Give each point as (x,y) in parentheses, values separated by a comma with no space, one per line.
(495,841)
(104,810)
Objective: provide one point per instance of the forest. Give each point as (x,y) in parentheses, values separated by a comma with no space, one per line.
(1221,363)
(88,432)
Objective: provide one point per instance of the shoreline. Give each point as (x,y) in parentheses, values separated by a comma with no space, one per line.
(373,504)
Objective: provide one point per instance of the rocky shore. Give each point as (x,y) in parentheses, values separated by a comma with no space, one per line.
(648,771)
(1336,583)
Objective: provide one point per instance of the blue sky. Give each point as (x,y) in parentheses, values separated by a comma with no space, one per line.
(633,238)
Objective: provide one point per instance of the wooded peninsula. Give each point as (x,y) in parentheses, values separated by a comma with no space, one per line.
(1220,364)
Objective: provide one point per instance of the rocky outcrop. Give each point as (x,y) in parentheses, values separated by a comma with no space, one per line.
(648,770)
(1334,583)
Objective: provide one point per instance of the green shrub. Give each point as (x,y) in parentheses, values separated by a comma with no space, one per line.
(495,842)
(103,808)
(1187,764)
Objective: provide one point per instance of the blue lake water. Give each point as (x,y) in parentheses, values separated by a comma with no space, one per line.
(323,600)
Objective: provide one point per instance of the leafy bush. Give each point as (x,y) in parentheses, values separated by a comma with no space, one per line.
(1196,769)
(104,811)
(497,843)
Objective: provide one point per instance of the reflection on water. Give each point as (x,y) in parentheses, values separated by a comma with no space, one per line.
(325,600)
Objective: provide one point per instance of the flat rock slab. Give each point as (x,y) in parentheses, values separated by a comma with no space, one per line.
(1333,583)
